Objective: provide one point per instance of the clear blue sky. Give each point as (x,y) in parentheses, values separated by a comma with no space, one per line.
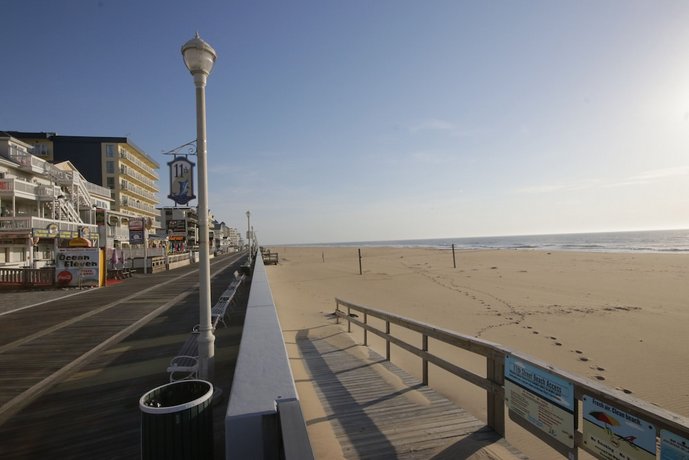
(388,119)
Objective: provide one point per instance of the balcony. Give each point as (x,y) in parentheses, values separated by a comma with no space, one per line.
(18,188)
(98,190)
(25,224)
(124,154)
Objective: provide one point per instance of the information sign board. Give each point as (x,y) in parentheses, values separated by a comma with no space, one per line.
(545,384)
(673,447)
(614,434)
(136,230)
(78,267)
(540,398)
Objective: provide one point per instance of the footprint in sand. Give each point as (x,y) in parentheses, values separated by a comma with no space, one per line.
(598,368)
(579,352)
(534,332)
(624,390)
(559,344)
(599,377)
(583,358)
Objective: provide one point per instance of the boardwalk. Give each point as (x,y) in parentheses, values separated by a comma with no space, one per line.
(379,411)
(74,369)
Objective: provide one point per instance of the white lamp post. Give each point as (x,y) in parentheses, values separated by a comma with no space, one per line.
(248,233)
(199,58)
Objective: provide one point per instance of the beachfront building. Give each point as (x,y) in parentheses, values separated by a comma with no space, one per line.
(113,162)
(180,225)
(225,239)
(42,206)
(234,237)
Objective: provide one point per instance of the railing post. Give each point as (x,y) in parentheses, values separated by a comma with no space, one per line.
(387,341)
(424,368)
(365,330)
(349,319)
(495,373)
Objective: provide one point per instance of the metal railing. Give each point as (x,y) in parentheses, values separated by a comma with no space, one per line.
(494,383)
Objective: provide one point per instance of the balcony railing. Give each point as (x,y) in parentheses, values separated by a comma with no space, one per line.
(27,223)
(133,188)
(137,162)
(131,203)
(19,187)
(98,190)
(117,233)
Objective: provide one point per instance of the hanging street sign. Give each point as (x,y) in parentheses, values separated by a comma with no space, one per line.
(181,180)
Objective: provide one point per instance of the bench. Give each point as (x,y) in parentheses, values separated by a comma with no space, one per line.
(270,258)
(187,360)
(120,271)
(219,310)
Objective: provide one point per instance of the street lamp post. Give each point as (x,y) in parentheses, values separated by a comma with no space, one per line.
(248,233)
(199,58)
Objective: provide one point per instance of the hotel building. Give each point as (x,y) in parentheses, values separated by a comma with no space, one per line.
(113,162)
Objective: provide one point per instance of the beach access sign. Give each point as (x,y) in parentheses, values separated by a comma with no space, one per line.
(78,267)
(614,434)
(540,398)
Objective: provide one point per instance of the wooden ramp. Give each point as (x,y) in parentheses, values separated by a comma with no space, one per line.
(379,411)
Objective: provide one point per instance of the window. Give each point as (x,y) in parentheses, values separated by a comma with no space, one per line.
(111,183)
(110,150)
(40,150)
(110,167)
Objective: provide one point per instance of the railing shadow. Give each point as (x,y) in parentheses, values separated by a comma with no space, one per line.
(357,425)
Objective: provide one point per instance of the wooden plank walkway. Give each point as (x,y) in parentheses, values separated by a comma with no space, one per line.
(378,411)
(91,410)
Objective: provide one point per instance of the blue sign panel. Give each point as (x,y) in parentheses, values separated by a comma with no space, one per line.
(673,447)
(541,382)
(181,180)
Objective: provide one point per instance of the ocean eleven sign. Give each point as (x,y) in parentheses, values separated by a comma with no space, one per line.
(181,180)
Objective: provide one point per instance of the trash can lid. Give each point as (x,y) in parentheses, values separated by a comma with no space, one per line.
(168,404)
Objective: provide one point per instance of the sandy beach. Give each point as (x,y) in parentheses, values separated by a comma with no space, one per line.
(619,319)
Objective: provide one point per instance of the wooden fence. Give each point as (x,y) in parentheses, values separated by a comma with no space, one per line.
(552,404)
(26,277)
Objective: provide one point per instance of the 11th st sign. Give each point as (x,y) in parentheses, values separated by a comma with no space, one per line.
(181,180)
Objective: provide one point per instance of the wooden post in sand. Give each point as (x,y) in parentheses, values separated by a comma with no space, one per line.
(360,271)
(454,261)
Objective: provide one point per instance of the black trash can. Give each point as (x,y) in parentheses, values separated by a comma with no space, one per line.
(177,421)
(245,269)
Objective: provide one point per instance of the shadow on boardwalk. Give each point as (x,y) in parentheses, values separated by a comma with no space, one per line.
(378,411)
(94,413)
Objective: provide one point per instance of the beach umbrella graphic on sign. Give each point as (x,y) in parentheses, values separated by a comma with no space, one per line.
(608,421)
(605,418)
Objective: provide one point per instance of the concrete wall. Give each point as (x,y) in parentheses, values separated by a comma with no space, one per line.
(262,377)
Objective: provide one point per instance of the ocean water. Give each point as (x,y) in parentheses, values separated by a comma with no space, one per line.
(659,241)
